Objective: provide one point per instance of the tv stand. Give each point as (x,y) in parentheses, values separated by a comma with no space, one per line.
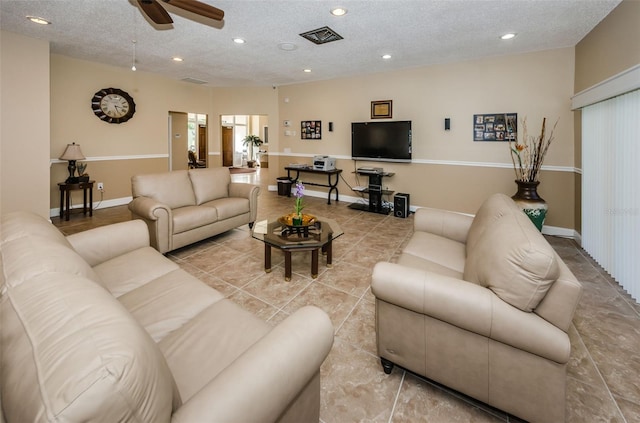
(375,192)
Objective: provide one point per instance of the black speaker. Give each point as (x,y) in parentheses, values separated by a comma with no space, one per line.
(401,205)
(330,126)
(447,124)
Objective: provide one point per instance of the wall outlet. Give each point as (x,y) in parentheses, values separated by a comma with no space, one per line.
(100,186)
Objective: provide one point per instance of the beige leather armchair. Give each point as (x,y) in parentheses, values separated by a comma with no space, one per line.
(481,305)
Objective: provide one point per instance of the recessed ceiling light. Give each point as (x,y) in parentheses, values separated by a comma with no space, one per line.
(508,36)
(238,40)
(177,59)
(40,21)
(307,70)
(339,11)
(287,46)
(386,56)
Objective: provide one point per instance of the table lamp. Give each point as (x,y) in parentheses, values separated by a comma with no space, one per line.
(72,153)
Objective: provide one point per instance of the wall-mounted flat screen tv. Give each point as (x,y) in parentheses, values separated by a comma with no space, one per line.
(381,141)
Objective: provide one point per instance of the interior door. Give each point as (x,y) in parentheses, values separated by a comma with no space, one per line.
(202,144)
(227,146)
(179,139)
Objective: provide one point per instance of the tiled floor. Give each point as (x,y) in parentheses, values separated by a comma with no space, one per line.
(604,372)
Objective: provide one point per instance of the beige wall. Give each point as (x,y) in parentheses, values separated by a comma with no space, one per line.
(137,146)
(610,48)
(24,124)
(449,169)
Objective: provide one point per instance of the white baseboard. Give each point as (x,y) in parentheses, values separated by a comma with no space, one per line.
(96,205)
(546,229)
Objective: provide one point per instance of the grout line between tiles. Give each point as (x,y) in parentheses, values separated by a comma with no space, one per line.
(595,365)
(395,400)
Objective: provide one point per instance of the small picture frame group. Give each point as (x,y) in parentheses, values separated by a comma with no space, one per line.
(495,127)
(311,130)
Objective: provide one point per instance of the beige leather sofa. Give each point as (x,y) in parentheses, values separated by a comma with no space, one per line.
(481,305)
(186,206)
(100,327)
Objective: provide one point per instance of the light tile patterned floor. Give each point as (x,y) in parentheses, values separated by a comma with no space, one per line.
(604,371)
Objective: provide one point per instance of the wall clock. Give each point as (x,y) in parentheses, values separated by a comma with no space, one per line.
(113,105)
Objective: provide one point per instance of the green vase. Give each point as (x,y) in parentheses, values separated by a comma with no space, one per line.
(297,221)
(531,203)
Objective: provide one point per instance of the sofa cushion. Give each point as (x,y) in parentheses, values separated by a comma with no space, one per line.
(437,249)
(229,207)
(195,356)
(171,188)
(491,210)
(210,184)
(132,270)
(513,259)
(191,217)
(71,352)
(168,302)
(20,254)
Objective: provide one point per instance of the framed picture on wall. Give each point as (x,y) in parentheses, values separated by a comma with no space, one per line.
(495,127)
(311,130)
(382,109)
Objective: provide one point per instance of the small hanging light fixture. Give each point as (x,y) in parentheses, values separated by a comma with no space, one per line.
(133,67)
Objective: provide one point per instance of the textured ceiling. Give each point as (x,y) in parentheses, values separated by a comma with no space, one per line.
(414,33)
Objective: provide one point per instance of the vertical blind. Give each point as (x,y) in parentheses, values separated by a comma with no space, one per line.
(610,187)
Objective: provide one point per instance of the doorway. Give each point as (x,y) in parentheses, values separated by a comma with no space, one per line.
(187,132)
(234,129)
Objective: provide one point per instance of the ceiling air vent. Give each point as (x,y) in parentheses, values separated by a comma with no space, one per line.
(321,35)
(194,81)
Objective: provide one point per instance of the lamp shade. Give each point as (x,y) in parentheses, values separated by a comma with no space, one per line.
(72,152)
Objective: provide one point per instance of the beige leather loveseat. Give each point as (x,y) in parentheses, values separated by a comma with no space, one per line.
(186,206)
(482,305)
(100,327)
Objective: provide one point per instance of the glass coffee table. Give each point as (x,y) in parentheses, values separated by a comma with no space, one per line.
(289,239)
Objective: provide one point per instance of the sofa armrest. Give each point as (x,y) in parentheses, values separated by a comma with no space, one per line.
(260,384)
(148,208)
(159,220)
(103,243)
(470,307)
(250,191)
(448,224)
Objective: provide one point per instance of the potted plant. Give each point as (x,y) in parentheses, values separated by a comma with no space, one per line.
(251,141)
(527,158)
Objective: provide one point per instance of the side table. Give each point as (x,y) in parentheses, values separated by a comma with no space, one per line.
(65,197)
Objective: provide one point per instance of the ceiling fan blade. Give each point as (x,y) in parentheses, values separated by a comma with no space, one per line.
(155,12)
(197,7)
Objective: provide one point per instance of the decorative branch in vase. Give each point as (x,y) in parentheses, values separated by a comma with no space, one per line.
(527,158)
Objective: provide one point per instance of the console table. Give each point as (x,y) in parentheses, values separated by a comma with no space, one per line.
(375,192)
(65,197)
(332,185)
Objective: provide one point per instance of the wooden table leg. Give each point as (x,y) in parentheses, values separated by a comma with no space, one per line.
(84,201)
(67,204)
(328,248)
(267,258)
(287,265)
(61,203)
(314,263)
(91,200)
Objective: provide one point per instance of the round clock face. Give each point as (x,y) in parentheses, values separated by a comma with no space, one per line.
(113,105)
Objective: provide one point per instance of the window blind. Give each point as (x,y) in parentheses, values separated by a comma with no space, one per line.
(611,187)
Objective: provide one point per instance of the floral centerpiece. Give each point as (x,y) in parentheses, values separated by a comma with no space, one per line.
(298,205)
(527,158)
(297,218)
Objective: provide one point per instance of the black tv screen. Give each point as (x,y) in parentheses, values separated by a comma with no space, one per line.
(381,141)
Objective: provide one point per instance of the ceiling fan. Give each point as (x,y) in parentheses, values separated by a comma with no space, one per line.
(157,13)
